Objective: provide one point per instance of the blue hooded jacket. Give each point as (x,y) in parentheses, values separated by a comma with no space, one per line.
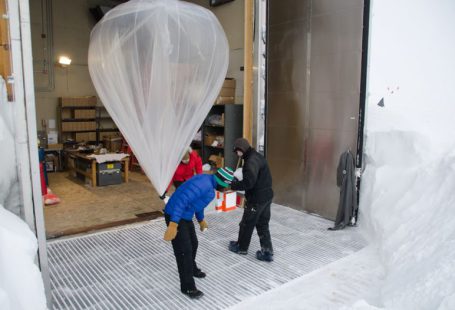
(191,198)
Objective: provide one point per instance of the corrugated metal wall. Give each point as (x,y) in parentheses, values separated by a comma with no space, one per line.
(313,88)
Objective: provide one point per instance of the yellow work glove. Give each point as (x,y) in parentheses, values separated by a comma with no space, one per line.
(171,231)
(203,225)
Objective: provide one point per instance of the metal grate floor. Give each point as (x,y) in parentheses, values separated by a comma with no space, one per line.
(134,268)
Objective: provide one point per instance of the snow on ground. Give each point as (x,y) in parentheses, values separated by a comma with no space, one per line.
(334,286)
(408,206)
(21,285)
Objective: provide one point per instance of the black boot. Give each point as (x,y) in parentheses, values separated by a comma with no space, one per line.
(265,256)
(193,294)
(198,273)
(234,247)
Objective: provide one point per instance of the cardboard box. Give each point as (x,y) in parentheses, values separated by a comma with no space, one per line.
(78,101)
(67,126)
(225,100)
(209,140)
(84,113)
(113,144)
(229,83)
(227,93)
(85,136)
(66,114)
(218,160)
(57,146)
(226,201)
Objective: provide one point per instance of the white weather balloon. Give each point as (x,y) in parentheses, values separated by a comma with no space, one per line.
(158,66)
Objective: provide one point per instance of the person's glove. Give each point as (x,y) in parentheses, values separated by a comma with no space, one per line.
(203,225)
(171,231)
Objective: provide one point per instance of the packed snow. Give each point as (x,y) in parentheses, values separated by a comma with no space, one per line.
(21,285)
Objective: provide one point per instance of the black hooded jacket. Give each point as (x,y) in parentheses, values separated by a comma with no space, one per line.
(257,179)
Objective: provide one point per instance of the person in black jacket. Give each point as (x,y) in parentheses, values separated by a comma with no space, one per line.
(257,184)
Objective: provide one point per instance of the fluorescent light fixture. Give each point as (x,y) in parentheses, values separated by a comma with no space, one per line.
(64,60)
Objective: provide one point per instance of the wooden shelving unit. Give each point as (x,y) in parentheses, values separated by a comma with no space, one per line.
(82,120)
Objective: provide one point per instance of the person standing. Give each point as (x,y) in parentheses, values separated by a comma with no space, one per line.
(257,184)
(188,200)
(190,165)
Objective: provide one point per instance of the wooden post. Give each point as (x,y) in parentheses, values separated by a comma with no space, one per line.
(93,164)
(126,168)
(248,73)
(5,57)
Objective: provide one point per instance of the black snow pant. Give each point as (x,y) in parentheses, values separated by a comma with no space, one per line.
(185,248)
(255,215)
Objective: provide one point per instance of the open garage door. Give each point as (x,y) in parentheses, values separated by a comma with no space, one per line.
(314,61)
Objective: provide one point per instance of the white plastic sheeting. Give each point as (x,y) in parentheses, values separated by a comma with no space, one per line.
(158,66)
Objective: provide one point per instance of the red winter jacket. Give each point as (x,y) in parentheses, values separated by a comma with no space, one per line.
(186,171)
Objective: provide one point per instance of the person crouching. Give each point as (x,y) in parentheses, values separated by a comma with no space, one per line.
(188,200)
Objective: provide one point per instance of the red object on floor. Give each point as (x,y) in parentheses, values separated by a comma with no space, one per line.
(51,199)
(43,181)
(125,148)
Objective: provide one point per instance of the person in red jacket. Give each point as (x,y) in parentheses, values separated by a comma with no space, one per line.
(190,165)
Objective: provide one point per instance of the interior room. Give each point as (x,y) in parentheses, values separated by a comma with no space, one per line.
(73,123)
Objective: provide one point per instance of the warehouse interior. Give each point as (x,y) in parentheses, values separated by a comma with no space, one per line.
(72,122)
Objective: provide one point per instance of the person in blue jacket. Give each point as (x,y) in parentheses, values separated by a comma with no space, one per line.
(188,200)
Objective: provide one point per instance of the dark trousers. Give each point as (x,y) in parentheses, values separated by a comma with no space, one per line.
(178,183)
(185,248)
(255,215)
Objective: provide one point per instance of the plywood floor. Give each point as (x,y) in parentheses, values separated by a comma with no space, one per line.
(83,207)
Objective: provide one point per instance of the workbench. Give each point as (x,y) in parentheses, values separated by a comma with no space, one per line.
(91,173)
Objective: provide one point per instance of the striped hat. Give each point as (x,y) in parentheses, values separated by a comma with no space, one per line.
(224,176)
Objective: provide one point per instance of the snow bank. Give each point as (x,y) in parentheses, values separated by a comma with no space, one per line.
(408,212)
(21,286)
(408,187)
(336,286)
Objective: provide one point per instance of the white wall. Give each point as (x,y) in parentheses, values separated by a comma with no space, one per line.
(72,23)
(231,16)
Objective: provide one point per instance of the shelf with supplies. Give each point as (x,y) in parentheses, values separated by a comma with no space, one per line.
(82,120)
(222,126)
